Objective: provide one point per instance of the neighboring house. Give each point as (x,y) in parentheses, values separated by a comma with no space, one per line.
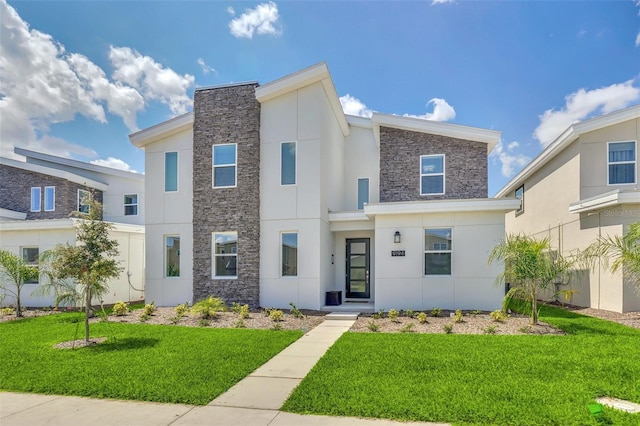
(37,197)
(582,186)
(269,194)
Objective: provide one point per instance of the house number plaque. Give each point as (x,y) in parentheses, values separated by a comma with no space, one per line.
(397,253)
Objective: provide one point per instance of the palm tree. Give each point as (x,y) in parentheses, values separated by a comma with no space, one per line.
(532,269)
(619,253)
(15,273)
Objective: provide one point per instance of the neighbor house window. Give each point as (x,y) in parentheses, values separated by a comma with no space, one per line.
(83,200)
(289,254)
(363,192)
(622,162)
(36,199)
(170,171)
(225,254)
(224,165)
(432,174)
(30,256)
(49,198)
(131,205)
(437,251)
(172,255)
(520,196)
(288,163)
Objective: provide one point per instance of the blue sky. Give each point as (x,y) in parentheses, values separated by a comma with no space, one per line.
(77,77)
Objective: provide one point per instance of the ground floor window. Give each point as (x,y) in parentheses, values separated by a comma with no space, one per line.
(30,256)
(289,254)
(225,254)
(437,251)
(172,255)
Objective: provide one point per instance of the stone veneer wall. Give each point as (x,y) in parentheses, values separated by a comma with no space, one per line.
(15,193)
(466,174)
(222,115)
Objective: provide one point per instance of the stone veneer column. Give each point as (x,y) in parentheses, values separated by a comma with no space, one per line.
(466,174)
(227,114)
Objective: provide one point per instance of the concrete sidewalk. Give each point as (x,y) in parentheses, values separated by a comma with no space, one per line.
(255,400)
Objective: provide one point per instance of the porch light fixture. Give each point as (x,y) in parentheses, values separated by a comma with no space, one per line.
(396,237)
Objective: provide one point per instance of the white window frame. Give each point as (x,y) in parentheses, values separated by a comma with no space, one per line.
(520,210)
(634,162)
(136,204)
(433,250)
(53,201)
(36,264)
(80,191)
(358,192)
(295,165)
(39,198)
(282,275)
(164,167)
(234,164)
(164,263)
(214,255)
(443,174)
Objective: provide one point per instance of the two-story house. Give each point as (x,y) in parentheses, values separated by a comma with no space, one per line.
(38,196)
(584,185)
(270,194)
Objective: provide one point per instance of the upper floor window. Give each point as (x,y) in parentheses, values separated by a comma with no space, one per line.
(30,256)
(363,192)
(520,196)
(83,201)
(224,165)
(622,162)
(288,163)
(170,171)
(289,254)
(131,204)
(49,198)
(172,256)
(225,254)
(36,199)
(432,174)
(437,251)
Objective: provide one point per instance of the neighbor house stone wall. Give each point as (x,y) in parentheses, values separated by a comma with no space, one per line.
(223,115)
(400,151)
(15,193)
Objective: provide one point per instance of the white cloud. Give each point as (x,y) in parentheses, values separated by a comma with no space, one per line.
(638,40)
(151,78)
(434,2)
(584,104)
(581,33)
(206,69)
(354,106)
(442,111)
(42,84)
(261,20)
(231,11)
(114,163)
(511,161)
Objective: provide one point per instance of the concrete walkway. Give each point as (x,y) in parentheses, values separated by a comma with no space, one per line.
(255,400)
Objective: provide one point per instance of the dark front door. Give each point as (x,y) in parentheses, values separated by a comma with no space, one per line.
(357,285)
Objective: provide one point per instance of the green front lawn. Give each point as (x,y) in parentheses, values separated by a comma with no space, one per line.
(479,379)
(138,361)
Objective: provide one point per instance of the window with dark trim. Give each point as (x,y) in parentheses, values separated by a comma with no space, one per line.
(520,196)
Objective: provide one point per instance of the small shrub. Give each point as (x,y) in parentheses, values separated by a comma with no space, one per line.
(244,311)
(209,308)
(475,312)
(373,326)
(422,318)
(379,314)
(144,317)
(181,310)
(203,322)
(498,316)
(149,309)
(7,311)
(235,307)
(448,328)
(410,313)
(491,329)
(276,326)
(295,312)
(526,329)
(175,319)
(436,312)
(393,315)
(239,323)
(458,317)
(276,315)
(267,311)
(407,328)
(120,309)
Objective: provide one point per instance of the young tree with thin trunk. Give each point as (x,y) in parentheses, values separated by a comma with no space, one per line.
(90,263)
(15,273)
(532,269)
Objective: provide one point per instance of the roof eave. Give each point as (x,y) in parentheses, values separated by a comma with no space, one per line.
(162,130)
